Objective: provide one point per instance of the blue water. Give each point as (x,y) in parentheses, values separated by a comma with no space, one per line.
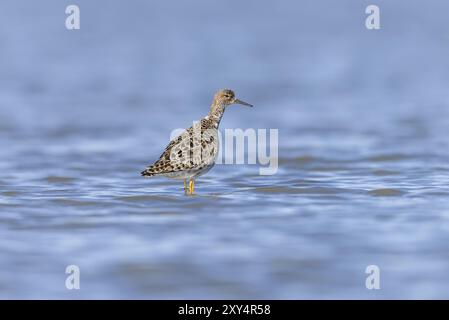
(363,120)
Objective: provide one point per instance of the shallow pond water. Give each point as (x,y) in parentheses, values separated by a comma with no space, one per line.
(363,150)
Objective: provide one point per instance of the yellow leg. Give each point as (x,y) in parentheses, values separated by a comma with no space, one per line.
(191,186)
(185,186)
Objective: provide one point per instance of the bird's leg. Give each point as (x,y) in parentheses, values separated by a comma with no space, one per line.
(185,186)
(191,186)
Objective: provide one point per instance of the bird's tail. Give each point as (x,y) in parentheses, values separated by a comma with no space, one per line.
(148,172)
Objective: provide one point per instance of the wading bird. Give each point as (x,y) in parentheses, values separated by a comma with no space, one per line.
(193,152)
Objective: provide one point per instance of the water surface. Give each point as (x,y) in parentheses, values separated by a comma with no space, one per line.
(363,150)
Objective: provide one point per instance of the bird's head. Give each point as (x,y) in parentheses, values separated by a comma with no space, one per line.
(227,97)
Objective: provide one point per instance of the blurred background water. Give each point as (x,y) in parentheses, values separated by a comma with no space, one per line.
(363,149)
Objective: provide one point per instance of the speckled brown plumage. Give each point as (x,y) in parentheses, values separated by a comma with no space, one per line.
(194,151)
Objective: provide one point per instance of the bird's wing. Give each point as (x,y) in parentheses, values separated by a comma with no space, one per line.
(182,153)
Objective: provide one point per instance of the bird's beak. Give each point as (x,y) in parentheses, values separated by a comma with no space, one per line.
(242,103)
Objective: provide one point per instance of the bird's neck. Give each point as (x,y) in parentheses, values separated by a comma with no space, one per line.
(216,112)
